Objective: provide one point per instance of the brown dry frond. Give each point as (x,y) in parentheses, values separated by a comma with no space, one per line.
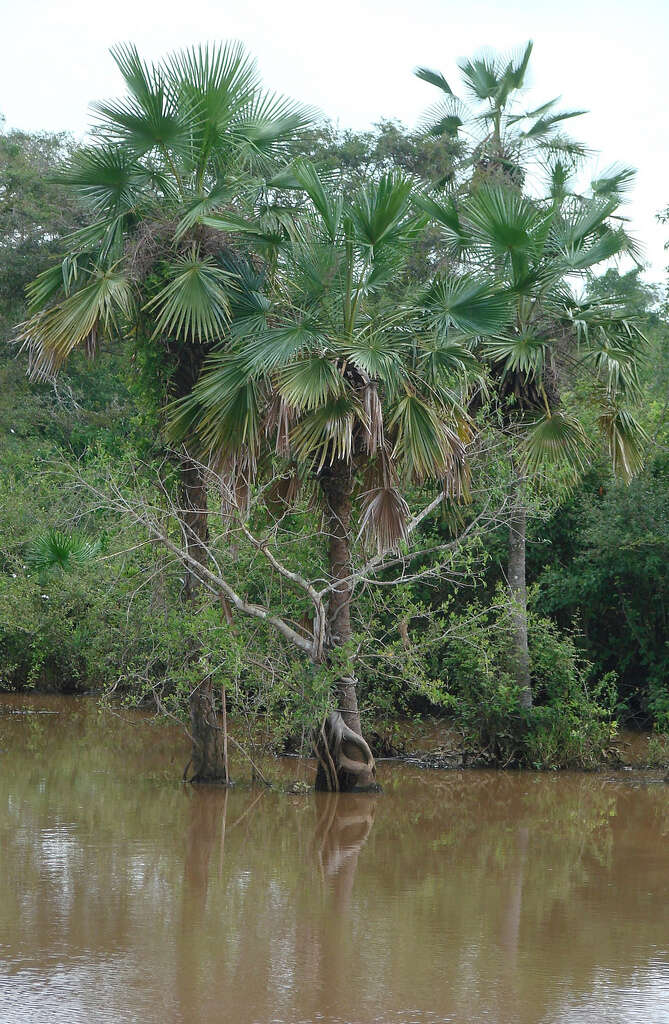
(385,514)
(373,420)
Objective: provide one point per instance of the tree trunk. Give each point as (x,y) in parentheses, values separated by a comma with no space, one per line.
(208,755)
(346,762)
(518,591)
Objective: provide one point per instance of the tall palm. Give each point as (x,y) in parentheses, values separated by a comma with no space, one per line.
(530,253)
(347,382)
(500,133)
(172,165)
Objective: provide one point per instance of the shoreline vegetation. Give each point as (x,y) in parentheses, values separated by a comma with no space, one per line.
(428,743)
(314,439)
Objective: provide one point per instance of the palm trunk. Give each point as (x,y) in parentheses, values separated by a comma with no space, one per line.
(518,591)
(342,741)
(208,755)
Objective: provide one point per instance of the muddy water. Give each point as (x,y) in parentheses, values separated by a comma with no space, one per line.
(462,897)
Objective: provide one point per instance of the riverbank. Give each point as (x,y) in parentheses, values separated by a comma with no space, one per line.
(424,743)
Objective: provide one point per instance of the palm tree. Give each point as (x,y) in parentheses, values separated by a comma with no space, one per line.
(530,253)
(501,135)
(351,386)
(171,166)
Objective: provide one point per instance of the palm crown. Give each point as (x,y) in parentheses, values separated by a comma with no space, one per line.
(501,134)
(524,253)
(339,368)
(171,165)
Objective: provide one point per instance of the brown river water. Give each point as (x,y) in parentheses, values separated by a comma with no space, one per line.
(465,897)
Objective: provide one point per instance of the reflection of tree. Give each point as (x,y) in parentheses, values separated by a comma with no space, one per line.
(343,825)
(342,829)
(206,833)
(511,919)
(510,929)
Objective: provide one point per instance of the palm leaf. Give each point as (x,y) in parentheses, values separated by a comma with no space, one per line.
(194,304)
(56,549)
(481,75)
(379,212)
(107,176)
(444,118)
(50,335)
(326,433)
(424,444)
(556,441)
(377,350)
(383,522)
(615,182)
(517,68)
(468,303)
(223,408)
(263,352)
(445,357)
(328,205)
(522,353)
(150,117)
(434,78)
(627,440)
(204,206)
(445,213)
(544,126)
(309,383)
(505,223)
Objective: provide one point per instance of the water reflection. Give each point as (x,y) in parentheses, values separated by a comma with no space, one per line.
(458,897)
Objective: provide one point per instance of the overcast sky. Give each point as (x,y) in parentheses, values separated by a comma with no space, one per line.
(354,60)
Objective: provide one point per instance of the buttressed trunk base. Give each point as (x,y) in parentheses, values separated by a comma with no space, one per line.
(345,761)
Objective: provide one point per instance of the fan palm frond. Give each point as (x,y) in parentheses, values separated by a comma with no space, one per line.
(308,383)
(506,224)
(614,182)
(626,439)
(325,434)
(149,118)
(58,549)
(425,445)
(554,441)
(224,410)
(384,518)
(96,307)
(194,304)
(380,211)
(523,353)
(467,302)
(434,78)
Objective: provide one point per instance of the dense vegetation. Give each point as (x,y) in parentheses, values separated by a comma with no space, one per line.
(311,327)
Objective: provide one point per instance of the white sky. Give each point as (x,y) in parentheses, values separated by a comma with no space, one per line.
(354,60)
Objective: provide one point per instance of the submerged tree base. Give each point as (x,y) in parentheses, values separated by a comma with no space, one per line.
(345,761)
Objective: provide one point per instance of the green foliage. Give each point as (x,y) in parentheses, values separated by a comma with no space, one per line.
(572,721)
(609,575)
(35,212)
(658,751)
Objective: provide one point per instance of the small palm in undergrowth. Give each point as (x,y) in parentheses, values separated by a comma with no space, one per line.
(60,551)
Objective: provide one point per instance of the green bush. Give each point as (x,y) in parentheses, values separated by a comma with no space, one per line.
(461,663)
